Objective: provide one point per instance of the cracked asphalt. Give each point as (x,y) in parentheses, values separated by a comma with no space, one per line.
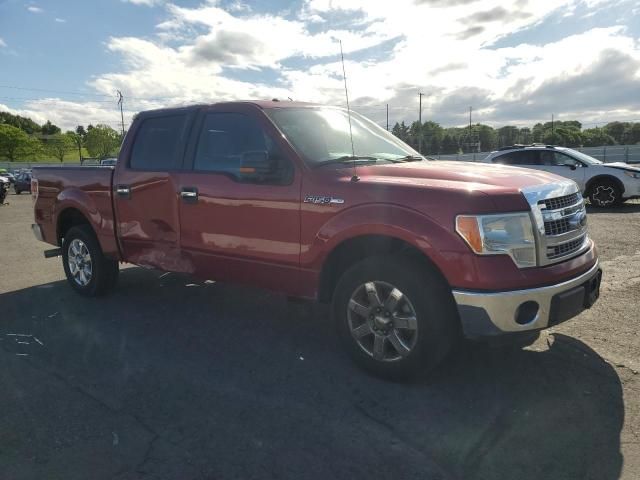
(169,378)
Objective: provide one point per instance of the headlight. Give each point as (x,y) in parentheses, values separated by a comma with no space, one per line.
(632,174)
(506,234)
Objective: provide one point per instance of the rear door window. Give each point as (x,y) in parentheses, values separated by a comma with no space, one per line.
(519,157)
(159,143)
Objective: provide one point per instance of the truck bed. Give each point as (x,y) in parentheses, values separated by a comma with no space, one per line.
(85,189)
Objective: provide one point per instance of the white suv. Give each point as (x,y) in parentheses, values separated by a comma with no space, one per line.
(605,184)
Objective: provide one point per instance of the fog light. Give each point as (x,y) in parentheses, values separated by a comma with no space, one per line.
(527,312)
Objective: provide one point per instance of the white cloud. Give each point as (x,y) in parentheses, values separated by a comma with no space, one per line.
(2,43)
(68,114)
(147,3)
(60,20)
(443,48)
(34,9)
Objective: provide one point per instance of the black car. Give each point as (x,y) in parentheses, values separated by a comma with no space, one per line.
(22,183)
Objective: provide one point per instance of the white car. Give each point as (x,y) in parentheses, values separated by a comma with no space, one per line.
(604,184)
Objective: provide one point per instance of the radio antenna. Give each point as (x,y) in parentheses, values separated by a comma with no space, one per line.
(355,176)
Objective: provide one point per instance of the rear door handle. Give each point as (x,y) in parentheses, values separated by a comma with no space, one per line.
(123,191)
(189,194)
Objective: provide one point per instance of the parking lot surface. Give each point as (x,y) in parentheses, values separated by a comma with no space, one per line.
(170,378)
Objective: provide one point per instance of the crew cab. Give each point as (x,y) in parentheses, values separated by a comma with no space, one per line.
(319,203)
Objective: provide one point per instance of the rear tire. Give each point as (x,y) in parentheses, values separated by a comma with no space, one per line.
(18,192)
(605,194)
(376,328)
(88,270)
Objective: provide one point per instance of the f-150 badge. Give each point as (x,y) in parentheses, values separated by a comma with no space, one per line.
(322,200)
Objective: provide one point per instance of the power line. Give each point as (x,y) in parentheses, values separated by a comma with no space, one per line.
(84,94)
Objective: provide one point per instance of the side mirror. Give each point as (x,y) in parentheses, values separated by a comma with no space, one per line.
(256,162)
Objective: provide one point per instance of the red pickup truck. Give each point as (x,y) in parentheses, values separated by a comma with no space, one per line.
(413,254)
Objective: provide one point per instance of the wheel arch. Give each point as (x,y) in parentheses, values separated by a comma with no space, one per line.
(603,176)
(357,248)
(68,218)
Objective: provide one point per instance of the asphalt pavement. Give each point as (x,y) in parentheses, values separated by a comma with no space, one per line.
(170,378)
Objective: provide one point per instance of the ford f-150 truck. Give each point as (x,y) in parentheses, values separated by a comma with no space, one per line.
(312,202)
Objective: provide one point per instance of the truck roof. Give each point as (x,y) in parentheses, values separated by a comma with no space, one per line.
(275,103)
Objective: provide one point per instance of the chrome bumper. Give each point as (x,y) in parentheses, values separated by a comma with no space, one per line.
(37,231)
(490,314)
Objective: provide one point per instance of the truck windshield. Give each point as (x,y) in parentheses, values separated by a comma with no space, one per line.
(321,135)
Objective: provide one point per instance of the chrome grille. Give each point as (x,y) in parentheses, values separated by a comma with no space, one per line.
(560,202)
(557,227)
(565,249)
(559,217)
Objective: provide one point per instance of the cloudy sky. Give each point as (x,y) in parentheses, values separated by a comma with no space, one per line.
(515,62)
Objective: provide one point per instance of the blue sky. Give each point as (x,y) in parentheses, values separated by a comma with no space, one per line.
(515,62)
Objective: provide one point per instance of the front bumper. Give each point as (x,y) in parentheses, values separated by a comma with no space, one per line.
(488,314)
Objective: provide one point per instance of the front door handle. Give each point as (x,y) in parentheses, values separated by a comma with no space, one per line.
(123,191)
(189,194)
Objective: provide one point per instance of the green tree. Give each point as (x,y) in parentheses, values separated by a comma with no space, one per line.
(23,123)
(633,134)
(525,135)
(59,145)
(617,130)
(78,141)
(596,137)
(401,131)
(15,144)
(102,141)
(50,129)
(449,144)
(432,134)
(488,138)
(507,136)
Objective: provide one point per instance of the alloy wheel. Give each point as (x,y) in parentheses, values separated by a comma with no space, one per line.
(383,321)
(80,264)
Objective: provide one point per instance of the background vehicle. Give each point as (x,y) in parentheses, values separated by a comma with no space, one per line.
(7,174)
(605,184)
(22,183)
(412,254)
(4,188)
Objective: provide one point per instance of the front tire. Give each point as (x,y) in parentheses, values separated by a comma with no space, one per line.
(396,320)
(18,192)
(605,194)
(88,270)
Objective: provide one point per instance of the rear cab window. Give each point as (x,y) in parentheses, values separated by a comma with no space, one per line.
(159,143)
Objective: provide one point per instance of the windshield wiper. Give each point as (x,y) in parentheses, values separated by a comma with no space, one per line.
(348,158)
(410,158)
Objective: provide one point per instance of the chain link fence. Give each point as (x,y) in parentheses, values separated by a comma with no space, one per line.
(608,154)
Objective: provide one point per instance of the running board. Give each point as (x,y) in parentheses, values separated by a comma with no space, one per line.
(54,252)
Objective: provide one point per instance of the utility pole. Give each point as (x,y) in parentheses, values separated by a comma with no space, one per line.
(470,136)
(120,99)
(420,124)
(387,117)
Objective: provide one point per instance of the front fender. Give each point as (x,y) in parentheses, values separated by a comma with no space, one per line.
(96,207)
(438,242)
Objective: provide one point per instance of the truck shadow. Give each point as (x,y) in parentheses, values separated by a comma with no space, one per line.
(234,382)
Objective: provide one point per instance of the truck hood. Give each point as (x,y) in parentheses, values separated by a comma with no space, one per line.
(484,177)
